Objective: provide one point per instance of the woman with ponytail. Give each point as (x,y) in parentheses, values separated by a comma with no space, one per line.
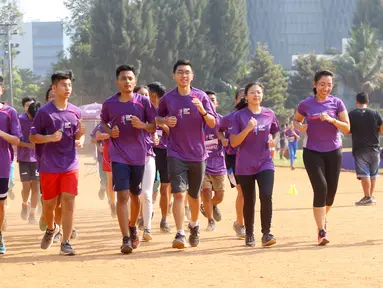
(325,115)
(249,133)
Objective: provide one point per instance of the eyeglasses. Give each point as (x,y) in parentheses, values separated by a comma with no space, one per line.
(186,73)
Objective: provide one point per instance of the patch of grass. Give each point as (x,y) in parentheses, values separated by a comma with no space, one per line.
(286,162)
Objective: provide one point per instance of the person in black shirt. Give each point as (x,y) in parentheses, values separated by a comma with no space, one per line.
(366,124)
(282,141)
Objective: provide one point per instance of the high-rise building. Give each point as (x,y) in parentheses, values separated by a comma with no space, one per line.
(291,27)
(39,46)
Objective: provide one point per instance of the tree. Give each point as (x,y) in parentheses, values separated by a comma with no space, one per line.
(273,77)
(9,12)
(122,33)
(228,33)
(302,76)
(362,61)
(370,12)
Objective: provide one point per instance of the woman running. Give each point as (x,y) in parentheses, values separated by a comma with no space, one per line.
(250,130)
(293,137)
(325,115)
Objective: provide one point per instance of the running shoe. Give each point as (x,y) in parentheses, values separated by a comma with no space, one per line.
(134,237)
(74,234)
(32,219)
(47,240)
(126,247)
(24,211)
(66,249)
(180,241)
(58,237)
(113,210)
(240,231)
(250,240)
(194,236)
(322,238)
(268,240)
(147,236)
(211,225)
(164,226)
(2,245)
(217,214)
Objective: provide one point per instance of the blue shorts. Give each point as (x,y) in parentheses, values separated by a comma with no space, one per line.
(367,161)
(127,177)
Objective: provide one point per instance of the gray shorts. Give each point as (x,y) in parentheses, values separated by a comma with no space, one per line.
(28,171)
(367,161)
(186,176)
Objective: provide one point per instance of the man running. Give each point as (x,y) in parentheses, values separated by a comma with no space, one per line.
(57,125)
(156,91)
(10,134)
(215,172)
(366,124)
(186,110)
(124,117)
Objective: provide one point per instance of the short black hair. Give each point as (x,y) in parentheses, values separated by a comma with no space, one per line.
(47,94)
(123,68)
(362,98)
(27,99)
(182,62)
(157,88)
(139,87)
(318,75)
(61,75)
(210,92)
(33,108)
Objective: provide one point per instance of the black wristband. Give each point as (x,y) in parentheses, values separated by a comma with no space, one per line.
(204,114)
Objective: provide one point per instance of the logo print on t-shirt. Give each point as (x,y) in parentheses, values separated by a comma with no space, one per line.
(66,125)
(126,118)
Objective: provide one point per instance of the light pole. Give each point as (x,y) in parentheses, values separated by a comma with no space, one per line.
(7,33)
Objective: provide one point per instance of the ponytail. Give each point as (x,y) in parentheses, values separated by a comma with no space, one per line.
(241,104)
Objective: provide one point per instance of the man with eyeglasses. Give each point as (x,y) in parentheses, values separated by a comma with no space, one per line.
(186,110)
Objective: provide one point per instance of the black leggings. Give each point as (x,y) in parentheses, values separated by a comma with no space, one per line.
(323,169)
(265,180)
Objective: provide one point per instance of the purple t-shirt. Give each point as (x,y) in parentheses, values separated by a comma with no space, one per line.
(25,154)
(253,155)
(321,136)
(186,139)
(93,135)
(224,125)
(290,136)
(215,164)
(10,124)
(57,157)
(130,147)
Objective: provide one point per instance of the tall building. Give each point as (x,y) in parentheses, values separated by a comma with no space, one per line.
(39,46)
(291,27)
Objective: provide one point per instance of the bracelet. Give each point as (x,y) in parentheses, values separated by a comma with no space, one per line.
(204,114)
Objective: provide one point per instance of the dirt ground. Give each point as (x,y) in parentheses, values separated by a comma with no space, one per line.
(354,258)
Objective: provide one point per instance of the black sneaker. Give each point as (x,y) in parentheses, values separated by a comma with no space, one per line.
(194,236)
(322,238)
(216,214)
(126,247)
(180,242)
(268,240)
(202,209)
(250,240)
(66,249)
(134,237)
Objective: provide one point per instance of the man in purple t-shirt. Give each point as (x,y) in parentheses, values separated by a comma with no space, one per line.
(215,171)
(129,114)
(160,139)
(10,134)
(187,110)
(57,126)
(26,157)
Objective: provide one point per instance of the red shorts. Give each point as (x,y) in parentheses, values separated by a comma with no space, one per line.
(106,165)
(54,184)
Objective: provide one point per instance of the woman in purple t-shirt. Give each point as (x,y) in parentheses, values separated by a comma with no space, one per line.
(325,115)
(292,136)
(249,131)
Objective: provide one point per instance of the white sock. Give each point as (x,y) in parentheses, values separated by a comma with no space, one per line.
(182,232)
(193,224)
(25,203)
(32,211)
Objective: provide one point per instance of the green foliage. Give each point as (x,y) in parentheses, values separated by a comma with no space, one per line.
(301,79)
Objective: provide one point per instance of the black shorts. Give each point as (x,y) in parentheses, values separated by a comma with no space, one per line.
(230,160)
(162,164)
(127,177)
(186,176)
(4,182)
(28,171)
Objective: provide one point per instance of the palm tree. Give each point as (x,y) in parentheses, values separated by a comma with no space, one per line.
(363,61)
